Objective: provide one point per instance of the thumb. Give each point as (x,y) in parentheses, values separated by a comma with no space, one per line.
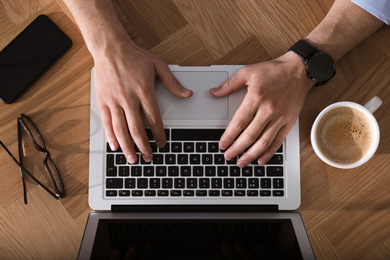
(168,80)
(234,83)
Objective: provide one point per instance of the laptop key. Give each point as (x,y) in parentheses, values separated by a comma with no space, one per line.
(173,171)
(136,171)
(213,147)
(239,193)
(148,171)
(150,193)
(120,159)
(179,183)
(111,171)
(276,159)
(176,147)
(111,193)
(182,159)
(214,193)
(124,193)
(130,183)
(198,171)
(235,171)
(189,147)
(274,171)
(137,193)
(204,183)
(175,193)
(252,193)
(167,183)
(162,193)
(265,193)
(227,193)
(201,147)
(154,183)
(194,159)
(142,183)
(278,193)
(192,183)
(185,171)
(265,183)
(158,159)
(207,159)
(222,170)
(228,183)
(161,171)
(201,193)
(197,134)
(114,183)
(188,193)
(124,171)
(259,171)
(210,171)
(278,183)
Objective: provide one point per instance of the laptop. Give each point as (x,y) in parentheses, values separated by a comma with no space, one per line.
(191,169)
(189,203)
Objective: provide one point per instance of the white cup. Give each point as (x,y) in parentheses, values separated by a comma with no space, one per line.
(368,110)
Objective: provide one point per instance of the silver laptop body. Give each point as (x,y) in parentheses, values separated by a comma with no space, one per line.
(201,111)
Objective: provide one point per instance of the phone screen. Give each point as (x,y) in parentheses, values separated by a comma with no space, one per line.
(25,58)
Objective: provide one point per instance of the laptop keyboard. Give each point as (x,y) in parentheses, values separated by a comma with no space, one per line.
(191,165)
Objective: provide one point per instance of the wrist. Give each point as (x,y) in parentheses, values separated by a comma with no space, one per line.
(297,69)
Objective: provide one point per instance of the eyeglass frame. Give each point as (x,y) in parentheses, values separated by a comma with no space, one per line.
(59,192)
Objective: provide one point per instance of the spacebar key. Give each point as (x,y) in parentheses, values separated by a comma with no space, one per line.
(197,134)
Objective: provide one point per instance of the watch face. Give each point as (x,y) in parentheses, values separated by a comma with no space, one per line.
(320,67)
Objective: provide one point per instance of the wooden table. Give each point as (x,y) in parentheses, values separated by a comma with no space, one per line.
(346,212)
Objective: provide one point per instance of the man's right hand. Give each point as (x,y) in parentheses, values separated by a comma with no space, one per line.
(125,87)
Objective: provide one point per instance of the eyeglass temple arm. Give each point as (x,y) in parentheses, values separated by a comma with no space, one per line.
(29,174)
(20,160)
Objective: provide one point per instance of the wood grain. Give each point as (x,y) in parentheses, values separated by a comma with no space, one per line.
(346,212)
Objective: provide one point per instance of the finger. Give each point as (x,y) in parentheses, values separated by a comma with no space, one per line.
(247,138)
(122,133)
(105,114)
(234,83)
(278,141)
(153,117)
(264,142)
(169,81)
(239,122)
(137,131)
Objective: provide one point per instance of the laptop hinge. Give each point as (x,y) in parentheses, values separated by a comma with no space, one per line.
(194,208)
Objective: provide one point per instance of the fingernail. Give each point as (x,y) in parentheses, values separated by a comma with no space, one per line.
(228,156)
(261,161)
(112,146)
(184,90)
(160,144)
(242,163)
(223,146)
(214,89)
(131,159)
(147,157)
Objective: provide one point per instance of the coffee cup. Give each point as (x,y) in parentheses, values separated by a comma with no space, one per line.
(345,134)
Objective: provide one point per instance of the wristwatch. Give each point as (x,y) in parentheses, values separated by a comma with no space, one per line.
(319,65)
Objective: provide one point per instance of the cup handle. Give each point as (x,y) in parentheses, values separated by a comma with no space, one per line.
(373,104)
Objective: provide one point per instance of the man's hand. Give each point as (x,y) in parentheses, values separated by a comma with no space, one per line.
(124,79)
(277,90)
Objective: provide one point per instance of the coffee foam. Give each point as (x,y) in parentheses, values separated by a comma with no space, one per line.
(344,135)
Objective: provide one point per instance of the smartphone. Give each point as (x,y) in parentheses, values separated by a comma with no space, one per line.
(27,56)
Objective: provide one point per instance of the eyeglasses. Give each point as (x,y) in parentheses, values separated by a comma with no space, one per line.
(24,122)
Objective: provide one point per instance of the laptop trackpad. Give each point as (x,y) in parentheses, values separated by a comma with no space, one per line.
(201,105)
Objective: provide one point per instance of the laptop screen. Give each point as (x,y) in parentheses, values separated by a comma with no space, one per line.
(195,239)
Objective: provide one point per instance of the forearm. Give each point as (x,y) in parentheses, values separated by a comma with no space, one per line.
(99,24)
(345,26)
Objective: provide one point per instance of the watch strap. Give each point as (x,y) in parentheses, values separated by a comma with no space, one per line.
(303,49)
